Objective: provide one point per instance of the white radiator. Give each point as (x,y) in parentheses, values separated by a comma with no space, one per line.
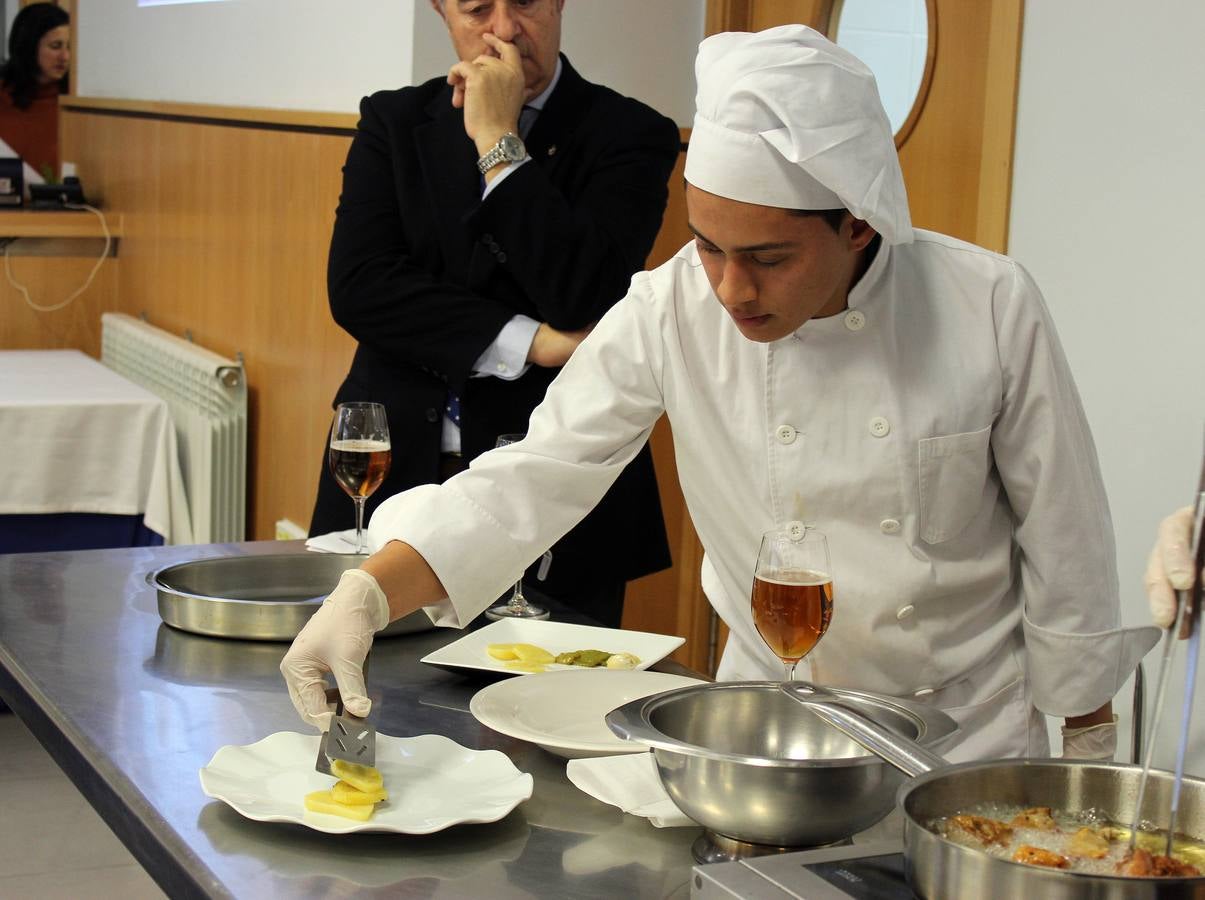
(207,396)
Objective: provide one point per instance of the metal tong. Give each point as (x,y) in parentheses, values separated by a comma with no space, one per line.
(350,739)
(1188,610)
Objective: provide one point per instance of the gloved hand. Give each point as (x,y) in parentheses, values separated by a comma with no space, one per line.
(1170,566)
(1092,742)
(336,639)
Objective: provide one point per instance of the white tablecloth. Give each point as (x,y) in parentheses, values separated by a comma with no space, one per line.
(79,438)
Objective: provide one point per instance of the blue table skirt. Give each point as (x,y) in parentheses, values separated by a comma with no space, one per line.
(73,531)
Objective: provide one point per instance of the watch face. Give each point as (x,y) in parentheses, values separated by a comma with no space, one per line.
(512,147)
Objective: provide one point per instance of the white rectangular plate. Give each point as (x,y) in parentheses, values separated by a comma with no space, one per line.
(556,637)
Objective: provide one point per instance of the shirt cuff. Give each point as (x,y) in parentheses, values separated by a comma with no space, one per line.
(1074,674)
(503,175)
(506,357)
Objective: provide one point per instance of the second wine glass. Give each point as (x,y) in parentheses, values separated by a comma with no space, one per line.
(517,606)
(792,600)
(360,454)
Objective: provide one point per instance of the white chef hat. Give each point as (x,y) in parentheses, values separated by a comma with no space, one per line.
(786,118)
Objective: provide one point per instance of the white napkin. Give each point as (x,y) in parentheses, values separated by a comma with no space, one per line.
(335,542)
(631,782)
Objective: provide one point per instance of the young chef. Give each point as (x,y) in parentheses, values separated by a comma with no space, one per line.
(821,360)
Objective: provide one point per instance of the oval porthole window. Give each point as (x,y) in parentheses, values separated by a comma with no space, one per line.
(897,40)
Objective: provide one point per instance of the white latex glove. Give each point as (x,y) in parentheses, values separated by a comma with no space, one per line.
(336,639)
(1092,742)
(1169,567)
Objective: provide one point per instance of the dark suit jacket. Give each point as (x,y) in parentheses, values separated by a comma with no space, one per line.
(424,274)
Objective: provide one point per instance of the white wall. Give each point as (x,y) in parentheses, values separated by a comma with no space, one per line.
(316,55)
(1108,189)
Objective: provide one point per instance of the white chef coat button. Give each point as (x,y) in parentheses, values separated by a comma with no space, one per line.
(855,319)
(890,526)
(785,434)
(923,692)
(879,427)
(905,611)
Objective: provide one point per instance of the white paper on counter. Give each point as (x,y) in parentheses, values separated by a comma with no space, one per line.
(629,781)
(334,542)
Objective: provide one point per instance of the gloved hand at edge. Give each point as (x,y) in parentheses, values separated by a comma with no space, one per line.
(336,639)
(1170,566)
(1091,742)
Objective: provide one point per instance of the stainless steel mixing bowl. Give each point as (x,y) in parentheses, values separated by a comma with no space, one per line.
(749,763)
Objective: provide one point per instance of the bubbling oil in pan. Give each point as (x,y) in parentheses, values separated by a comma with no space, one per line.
(999,817)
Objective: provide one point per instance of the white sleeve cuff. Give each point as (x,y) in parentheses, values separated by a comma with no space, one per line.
(502,176)
(506,357)
(1074,674)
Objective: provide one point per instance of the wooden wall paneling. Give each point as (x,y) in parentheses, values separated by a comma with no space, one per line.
(49,280)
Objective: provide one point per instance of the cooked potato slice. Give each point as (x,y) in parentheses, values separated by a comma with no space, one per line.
(530,653)
(365,778)
(324,802)
(520,666)
(501,651)
(343,792)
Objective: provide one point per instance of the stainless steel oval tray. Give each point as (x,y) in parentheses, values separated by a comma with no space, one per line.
(262,598)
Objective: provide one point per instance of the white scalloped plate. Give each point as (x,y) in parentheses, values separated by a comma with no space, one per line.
(433,783)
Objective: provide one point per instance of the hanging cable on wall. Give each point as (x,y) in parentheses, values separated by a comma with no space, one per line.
(8,272)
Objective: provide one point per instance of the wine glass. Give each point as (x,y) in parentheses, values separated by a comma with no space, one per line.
(517,607)
(792,598)
(360,454)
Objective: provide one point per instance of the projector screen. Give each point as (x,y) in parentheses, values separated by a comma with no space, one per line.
(325,55)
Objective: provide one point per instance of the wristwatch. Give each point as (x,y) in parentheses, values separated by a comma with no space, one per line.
(508,149)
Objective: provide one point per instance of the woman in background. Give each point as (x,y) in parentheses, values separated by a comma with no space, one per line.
(31,79)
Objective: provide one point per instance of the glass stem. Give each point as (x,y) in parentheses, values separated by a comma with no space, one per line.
(518,602)
(790,667)
(359,501)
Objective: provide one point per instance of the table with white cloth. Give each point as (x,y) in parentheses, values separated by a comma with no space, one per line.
(91,458)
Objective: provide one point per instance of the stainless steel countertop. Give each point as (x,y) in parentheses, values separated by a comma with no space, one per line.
(132,709)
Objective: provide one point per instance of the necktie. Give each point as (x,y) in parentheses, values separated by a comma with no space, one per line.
(527,118)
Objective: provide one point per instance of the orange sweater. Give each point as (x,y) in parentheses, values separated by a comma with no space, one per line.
(33,133)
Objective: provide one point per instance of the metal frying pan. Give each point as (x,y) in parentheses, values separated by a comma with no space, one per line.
(939,868)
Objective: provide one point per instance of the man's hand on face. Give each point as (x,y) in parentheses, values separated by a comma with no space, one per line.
(491,90)
(551,348)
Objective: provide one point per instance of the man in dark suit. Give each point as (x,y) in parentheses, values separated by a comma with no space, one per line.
(474,249)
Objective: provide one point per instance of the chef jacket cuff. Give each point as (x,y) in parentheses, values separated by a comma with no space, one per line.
(1074,674)
(439,522)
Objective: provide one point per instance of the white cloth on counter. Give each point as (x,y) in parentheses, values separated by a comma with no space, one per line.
(932,431)
(629,781)
(83,439)
(333,542)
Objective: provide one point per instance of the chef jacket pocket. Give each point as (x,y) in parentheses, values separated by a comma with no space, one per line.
(953,469)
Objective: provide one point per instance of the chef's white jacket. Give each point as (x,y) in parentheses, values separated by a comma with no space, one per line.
(932,431)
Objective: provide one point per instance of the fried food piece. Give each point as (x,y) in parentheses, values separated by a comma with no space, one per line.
(1036,856)
(1088,843)
(343,792)
(366,778)
(1138,864)
(983,829)
(324,802)
(1170,867)
(1037,817)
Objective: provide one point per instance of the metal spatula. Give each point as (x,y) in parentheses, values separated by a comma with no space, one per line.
(350,739)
